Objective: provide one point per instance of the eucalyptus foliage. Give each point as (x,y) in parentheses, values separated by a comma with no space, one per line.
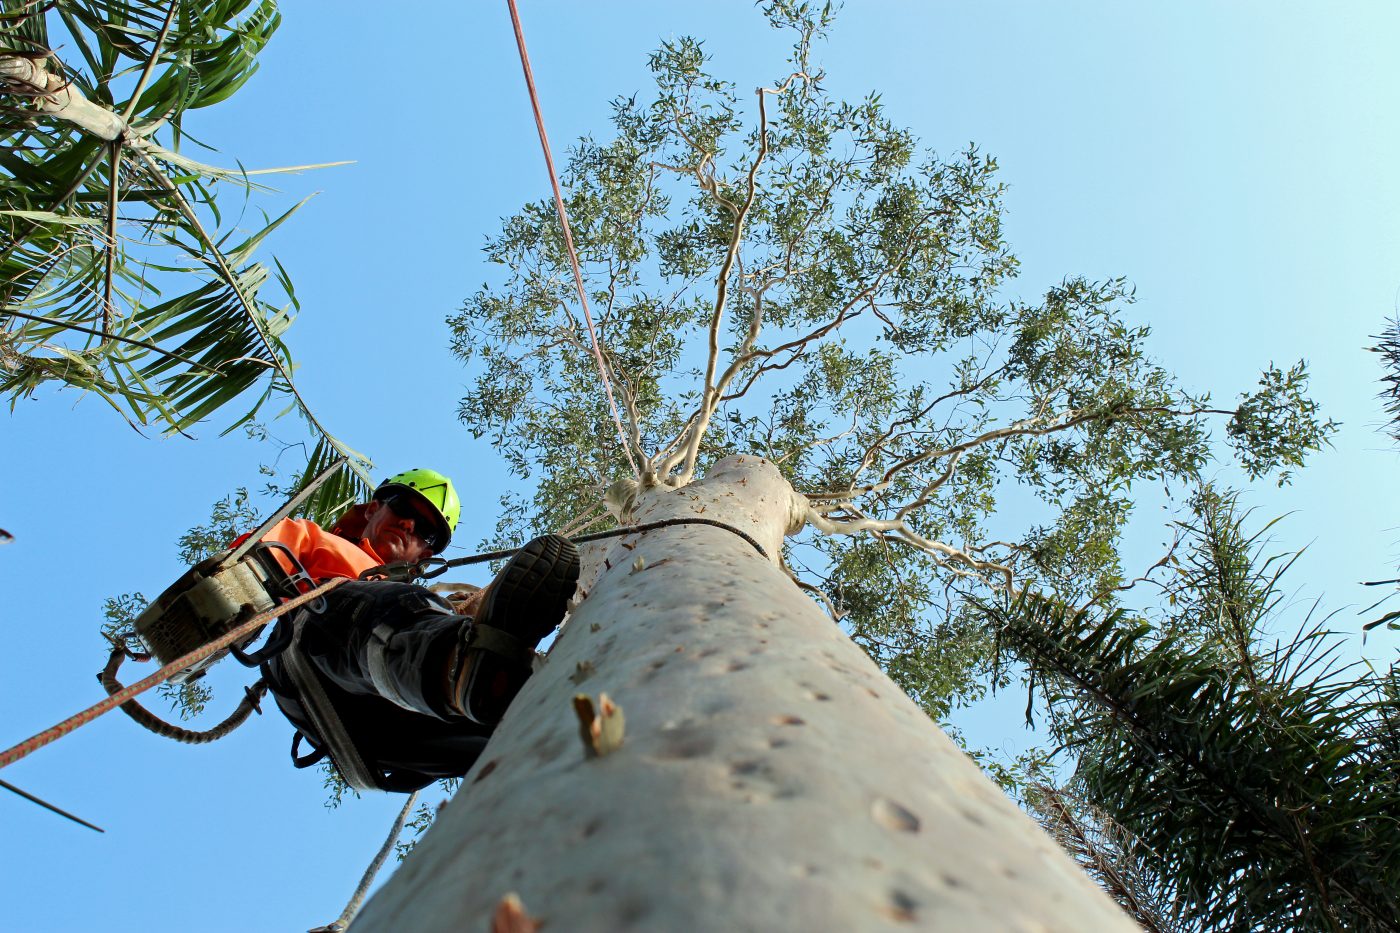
(1245,783)
(793,275)
(119,274)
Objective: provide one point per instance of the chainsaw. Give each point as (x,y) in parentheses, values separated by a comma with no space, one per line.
(218,594)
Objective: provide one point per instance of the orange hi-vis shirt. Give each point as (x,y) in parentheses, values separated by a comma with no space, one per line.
(324,555)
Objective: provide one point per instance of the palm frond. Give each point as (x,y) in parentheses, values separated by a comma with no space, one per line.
(1268,804)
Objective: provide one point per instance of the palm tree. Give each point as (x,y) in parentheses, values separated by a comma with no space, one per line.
(1258,781)
(118,275)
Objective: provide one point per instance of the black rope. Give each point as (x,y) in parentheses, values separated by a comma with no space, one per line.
(48,806)
(410,570)
(149,720)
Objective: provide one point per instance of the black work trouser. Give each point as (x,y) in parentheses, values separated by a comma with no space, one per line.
(382,650)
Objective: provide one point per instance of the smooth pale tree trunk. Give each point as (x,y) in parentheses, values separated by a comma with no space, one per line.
(770,778)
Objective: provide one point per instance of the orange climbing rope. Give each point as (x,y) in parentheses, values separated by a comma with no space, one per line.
(11,755)
(568,233)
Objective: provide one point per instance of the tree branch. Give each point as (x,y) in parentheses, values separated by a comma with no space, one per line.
(150,62)
(711,390)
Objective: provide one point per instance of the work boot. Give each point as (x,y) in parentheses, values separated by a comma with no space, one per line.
(523,604)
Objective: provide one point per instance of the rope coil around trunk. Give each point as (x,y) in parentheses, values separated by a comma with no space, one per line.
(410,570)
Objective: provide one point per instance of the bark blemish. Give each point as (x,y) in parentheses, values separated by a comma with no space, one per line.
(789,720)
(902,907)
(485,770)
(686,741)
(631,910)
(548,749)
(736,666)
(716,706)
(894,816)
(973,818)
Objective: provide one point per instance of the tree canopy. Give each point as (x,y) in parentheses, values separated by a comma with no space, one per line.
(791,275)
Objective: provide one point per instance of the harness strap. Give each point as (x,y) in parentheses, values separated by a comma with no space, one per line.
(500,642)
(319,709)
(310,758)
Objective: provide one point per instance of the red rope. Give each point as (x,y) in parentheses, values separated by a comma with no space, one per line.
(54,733)
(568,233)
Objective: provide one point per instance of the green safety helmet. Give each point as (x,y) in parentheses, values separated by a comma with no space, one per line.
(432,488)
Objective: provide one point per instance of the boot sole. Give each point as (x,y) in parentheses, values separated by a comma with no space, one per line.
(533,589)
(529,599)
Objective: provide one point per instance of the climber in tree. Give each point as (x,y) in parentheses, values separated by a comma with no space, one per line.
(397,687)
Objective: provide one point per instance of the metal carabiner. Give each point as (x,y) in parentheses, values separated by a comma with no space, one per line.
(439,562)
(401,571)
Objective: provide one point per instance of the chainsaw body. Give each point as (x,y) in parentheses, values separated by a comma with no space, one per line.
(214,597)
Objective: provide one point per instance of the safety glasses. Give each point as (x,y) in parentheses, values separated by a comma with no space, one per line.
(423,526)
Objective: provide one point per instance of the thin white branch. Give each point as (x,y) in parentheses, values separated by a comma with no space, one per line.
(711,390)
(896,529)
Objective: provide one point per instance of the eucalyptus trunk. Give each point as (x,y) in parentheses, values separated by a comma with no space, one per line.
(770,776)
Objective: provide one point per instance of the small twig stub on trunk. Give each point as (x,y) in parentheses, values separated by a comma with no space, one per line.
(601,729)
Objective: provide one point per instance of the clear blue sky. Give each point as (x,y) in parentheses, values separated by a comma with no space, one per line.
(1235,161)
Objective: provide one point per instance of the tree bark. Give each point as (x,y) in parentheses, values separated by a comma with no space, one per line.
(770,777)
(56,96)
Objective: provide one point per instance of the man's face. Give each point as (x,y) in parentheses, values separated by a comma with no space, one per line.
(392,534)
